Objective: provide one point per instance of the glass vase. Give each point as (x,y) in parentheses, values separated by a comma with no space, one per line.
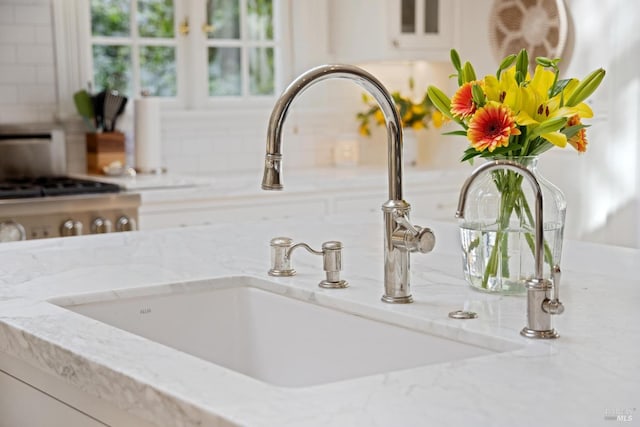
(497,233)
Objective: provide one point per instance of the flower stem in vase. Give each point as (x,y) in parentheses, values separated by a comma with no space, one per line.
(512,200)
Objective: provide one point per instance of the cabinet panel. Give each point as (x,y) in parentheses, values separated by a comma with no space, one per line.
(421,24)
(213,213)
(30,397)
(23,405)
(380,30)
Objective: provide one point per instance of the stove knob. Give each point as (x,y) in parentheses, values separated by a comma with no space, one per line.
(100,225)
(125,223)
(71,228)
(11,231)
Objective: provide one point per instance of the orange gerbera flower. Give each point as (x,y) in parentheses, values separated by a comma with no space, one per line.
(462,104)
(579,140)
(491,126)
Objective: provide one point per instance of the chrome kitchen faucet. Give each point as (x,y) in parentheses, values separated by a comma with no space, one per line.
(540,303)
(400,236)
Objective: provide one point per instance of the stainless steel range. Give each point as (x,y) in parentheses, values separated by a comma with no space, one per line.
(37,199)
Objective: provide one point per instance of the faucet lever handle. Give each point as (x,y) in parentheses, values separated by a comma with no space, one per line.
(554,305)
(401,219)
(413,238)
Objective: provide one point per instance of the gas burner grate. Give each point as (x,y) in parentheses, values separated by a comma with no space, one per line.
(52,186)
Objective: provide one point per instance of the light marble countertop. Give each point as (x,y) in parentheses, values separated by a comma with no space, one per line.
(177,187)
(592,369)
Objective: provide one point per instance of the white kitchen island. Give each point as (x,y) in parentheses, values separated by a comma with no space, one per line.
(586,377)
(170,200)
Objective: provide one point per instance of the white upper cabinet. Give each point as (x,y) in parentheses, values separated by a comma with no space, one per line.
(383,30)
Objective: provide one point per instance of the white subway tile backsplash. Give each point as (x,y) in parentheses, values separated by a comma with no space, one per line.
(6,14)
(17,34)
(37,94)
(7,54)
(17,74)
(27,76)
(35,54)
(44,34)
(46,74)
(33,14)
(18,114)
(8,95)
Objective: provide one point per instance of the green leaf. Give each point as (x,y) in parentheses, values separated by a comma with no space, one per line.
(456,132)
(586,87)
(559,87)
(468,73)
(506,63)
(440,100)
(550,125)
(539,148)
(522,65)
(478,95)
(572,130)
(469,154)
(545,62)
(501,151)
(455,59)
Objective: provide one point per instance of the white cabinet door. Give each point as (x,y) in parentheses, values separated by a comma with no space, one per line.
(187,214)
(421,25)
(25,406)
(382,30)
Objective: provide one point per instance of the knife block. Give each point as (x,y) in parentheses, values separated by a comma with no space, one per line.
(103,149)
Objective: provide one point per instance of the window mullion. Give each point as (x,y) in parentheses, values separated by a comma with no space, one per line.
(181,43)
(135,51)
(195,63)
(244,50)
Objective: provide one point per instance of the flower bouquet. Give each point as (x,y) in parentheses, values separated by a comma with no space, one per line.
(516,116)
(413,114)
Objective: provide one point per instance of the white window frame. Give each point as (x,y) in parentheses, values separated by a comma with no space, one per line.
(135,41)
(73,41)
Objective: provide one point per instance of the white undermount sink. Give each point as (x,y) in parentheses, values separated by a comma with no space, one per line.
(274,338)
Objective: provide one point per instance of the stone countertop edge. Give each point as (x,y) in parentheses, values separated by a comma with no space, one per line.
(593,369)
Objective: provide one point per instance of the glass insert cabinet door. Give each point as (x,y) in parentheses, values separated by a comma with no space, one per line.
(421,24)
(240,47)
(134,46)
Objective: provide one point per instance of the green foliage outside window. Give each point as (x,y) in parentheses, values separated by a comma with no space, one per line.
(112,63)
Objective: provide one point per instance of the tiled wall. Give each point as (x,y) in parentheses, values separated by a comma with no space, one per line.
(27,67)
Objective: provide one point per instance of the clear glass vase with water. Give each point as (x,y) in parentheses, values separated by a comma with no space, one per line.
(497,234)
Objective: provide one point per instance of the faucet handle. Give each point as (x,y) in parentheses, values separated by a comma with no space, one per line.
(413,238)
(554,306)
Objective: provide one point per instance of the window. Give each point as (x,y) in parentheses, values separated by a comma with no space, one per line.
(193,52)
(133,46)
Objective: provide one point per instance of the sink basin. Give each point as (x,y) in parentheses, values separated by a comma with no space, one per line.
(236,323)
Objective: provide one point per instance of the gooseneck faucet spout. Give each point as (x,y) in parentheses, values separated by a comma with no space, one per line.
(540,303)
(400,236)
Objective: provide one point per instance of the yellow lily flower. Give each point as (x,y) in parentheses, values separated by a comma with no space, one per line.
(505,90)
